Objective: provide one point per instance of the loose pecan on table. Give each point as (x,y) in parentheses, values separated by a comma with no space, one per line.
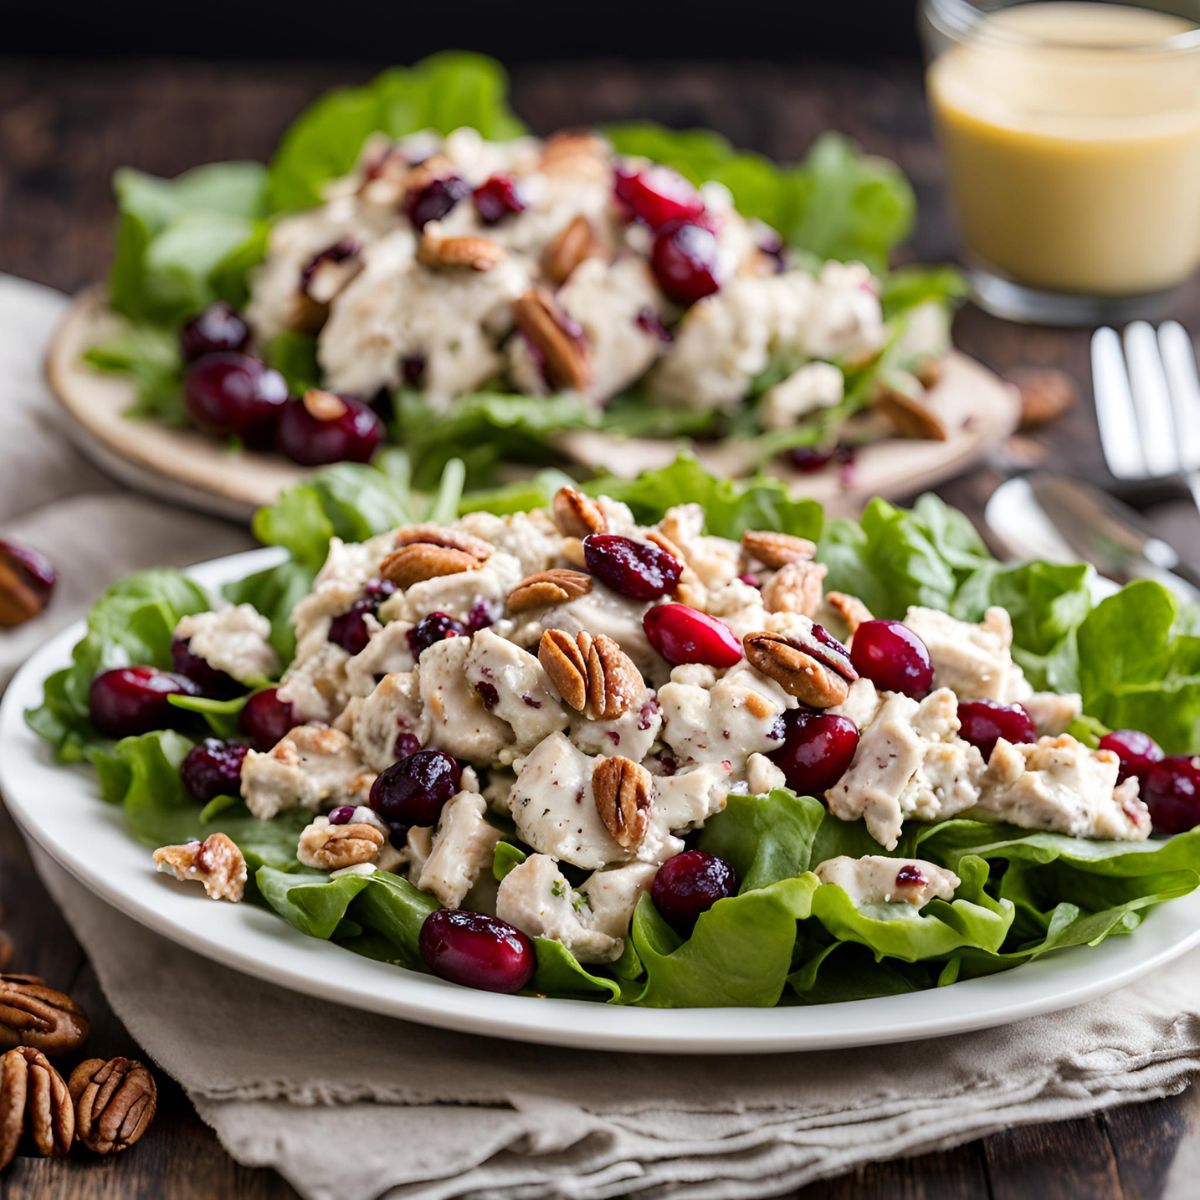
(34,1014)
(36,1113)
(115,1101)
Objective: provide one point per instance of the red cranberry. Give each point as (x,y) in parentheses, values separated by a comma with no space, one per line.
(477,951)
(349,629)
(342,251)
(499,197)
(1137,751)
(892,657)
(31,567)
(817,749)
(212,769)
(406,744)
(656,195)
(433,201)
(647,320)
(1171,790)
(327,428)
(690,884)
(265,718)
(984,722)
(684,261)
(637,569)
(208,679)
(232,393)
(414,790)
(686,635)
(342,815)
(436,627)
(910,875)
(129,700)
(215,330)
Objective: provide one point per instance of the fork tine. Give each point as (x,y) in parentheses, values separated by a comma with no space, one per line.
(1151,400)
(1179,363)
(1114,407)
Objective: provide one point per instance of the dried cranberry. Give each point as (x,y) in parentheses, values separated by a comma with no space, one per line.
(647,320)
(215,330)
(412,369)
(690,884)
(398,835)
(984,722)
(406,744)
(656,195)
(684,261)
(892,657)
(266,718)
(436,627)
(342,815)
(637,569)
(499,197)
(808,460)
(1171,790)
(350,630)
(770,244)
(130,700)
(686,635)
(415,789)
(487,693)
(327,428)
(342,251)
(208,679)
(31,566)
(1137,751)
(817,749)
(477,951)
(481,616)
(232,393)
(910,875)
(433,201)
(212,769)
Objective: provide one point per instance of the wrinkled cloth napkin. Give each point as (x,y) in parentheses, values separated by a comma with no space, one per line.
(351,1106)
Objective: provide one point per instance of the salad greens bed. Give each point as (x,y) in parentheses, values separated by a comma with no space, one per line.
(785,937)
(186,242)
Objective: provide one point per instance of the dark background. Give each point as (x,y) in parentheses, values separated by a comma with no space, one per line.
(398,31)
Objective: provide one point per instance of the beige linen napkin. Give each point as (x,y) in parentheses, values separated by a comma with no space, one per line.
(349,1105)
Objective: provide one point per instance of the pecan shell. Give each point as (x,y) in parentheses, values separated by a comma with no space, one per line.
(556,586)
(776,549)
(577,515)
(115,1102)
(623,792)
(35,1107)
(32,1014)
(801,672)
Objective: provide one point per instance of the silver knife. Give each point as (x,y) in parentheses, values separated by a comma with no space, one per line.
(1110,535)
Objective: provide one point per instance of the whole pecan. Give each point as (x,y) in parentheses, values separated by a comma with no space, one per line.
(115,1101)
(332,847)
(555,586)
(816,673)
(215,862)
(623,792)
(565,358)
(776,549)
(591,674)
(577,515)
(33,1014)
(574,243)
(35,1107)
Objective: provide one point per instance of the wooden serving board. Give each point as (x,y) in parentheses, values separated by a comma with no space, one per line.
(195,470)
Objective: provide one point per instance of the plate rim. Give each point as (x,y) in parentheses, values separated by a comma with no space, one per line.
(266,947)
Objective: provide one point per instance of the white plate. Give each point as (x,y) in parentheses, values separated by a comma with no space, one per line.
(60,810)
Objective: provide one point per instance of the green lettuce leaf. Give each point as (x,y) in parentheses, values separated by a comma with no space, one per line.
(441,93)
(132,623)
(149,354)
(765,838)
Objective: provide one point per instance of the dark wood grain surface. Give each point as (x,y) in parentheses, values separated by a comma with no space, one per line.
(64,126)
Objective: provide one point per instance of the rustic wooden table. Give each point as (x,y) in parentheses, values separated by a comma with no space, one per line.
(64,126)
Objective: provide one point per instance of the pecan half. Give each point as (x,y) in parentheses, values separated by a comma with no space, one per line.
(475,253)
(591,674)
(812,672)
(323,405)
(421,561)
(439,535)
(581,154)
(115,1102)
(1045,394)
(577,515)
(566,362)
(555,586)
(850,608)
(331,847)
(27,580)
(33,1014)
(573,244)
(929,372)
(776,549)
(796,587)
(910,416)
(35,1107)
(689,590)
(623,792)
(215,862)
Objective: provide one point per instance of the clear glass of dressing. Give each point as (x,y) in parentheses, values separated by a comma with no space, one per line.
(1070,131)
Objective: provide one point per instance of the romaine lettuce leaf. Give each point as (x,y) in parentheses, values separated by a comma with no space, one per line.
(150,355)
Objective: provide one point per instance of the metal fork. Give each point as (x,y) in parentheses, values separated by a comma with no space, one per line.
(1148,403)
